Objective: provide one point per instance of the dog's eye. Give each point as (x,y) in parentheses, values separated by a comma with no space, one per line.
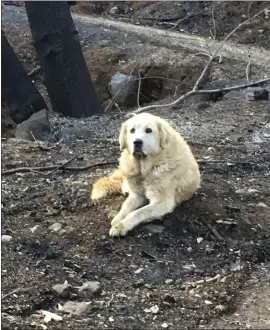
(148,130)
(132,130)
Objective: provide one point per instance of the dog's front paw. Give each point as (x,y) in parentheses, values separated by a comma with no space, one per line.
(120,228)
(116,219)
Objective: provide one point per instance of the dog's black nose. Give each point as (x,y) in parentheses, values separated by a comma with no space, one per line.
(138,143)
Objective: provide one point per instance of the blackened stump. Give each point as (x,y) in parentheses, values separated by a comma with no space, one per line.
(66,76)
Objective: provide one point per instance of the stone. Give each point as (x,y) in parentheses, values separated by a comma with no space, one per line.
(169,281)
(257,94)
(37,127)
(154,309)
(93,287)
(63,290)
(114,10)
(263,205)
(76,308)
(124,89)
(246,191)
(56,226)
(6,239)
(154,229)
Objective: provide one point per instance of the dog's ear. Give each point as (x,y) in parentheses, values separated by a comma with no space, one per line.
(123,137)
(164,134)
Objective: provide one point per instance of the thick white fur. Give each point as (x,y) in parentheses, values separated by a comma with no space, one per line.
(167,175)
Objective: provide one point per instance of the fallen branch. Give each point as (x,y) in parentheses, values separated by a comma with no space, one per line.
(195,89)
(196,92)
(15,291)
(65,163)
(53,167)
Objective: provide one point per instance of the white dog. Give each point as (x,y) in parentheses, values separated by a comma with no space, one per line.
(157,169)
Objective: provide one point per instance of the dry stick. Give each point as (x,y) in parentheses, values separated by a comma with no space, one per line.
(195,92)
(52,167)
(65,163)
(196,86)
(248,68)
(214,34)
(15,291)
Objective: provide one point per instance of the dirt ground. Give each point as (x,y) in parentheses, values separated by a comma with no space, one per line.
(207,265)
(204,18)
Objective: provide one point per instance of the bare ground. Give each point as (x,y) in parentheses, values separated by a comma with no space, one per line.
(232,158)
(209,267)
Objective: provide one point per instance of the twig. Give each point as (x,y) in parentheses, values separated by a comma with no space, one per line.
(65,163)
(214,231)
(15,291)
(221,45)
(52,167)
(110,301)
(195,89)
(214,34)
(248,69)
(195,92)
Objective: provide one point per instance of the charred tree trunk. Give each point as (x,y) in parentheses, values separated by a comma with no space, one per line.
(18,91)
(65,72)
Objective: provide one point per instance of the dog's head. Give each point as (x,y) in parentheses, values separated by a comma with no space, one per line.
(144,135)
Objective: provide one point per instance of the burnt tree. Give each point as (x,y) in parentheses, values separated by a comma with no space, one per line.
(18,90)
(66,76)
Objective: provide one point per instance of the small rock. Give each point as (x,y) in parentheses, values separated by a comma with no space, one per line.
(257,93)
(236,266)
(138,283)
(93,287)
(111,319)
(6,239)
(37,127)
(262,205)
(208,302)
(63,290)
(56,226)
(246,191)
(154,229)
(154,309)
(164,325)
(138,271)
(124,89)
(76,308)
(168,281)
(114,10)
(48,316)
(199,240)
(220,307)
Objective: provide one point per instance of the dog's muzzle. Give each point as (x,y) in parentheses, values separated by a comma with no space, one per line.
(137,149)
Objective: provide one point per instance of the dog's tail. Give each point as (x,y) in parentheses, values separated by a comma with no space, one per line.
(108,185)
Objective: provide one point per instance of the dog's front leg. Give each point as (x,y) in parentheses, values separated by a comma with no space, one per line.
(130,204)
(145,214)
